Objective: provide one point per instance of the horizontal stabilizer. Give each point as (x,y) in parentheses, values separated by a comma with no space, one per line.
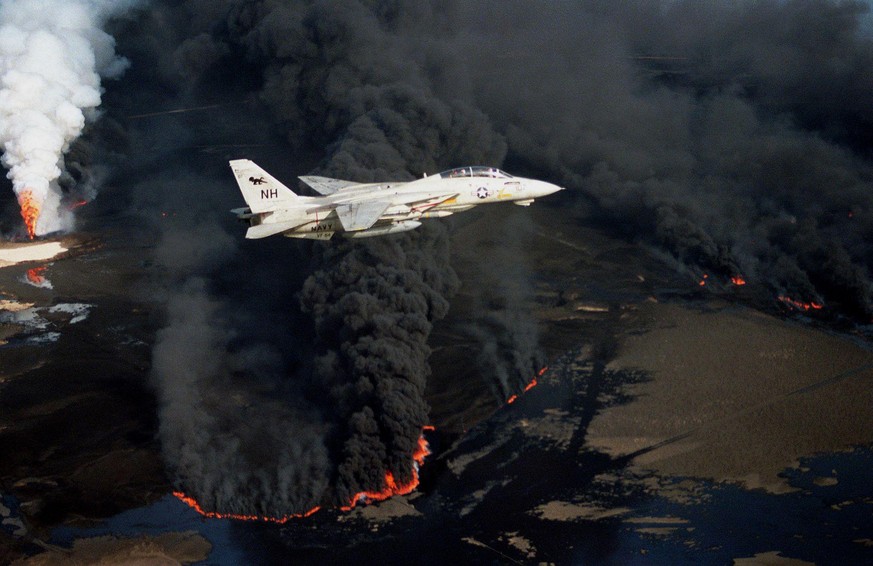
(360,215)
(326,185)
(243,213)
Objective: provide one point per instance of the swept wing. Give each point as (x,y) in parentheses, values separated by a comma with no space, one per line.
(326,185)
(360,215)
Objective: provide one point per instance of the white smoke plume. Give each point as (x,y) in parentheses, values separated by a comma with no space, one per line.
(52,55)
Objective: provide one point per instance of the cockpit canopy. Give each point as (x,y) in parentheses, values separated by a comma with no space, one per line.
(476,171)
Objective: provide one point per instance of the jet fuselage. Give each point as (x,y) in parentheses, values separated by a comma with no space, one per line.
(372,209)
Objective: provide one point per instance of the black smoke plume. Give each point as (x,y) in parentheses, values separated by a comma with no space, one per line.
(499,326)
(343,78)
(373,307)
(348,405)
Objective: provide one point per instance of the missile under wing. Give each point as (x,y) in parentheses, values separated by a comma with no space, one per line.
(360,210)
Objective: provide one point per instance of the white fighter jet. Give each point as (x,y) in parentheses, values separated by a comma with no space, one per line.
(361,210)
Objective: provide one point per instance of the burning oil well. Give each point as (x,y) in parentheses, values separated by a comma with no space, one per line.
(344,422)
(52,57)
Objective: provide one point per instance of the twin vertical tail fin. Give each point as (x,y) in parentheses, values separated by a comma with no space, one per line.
(261,191)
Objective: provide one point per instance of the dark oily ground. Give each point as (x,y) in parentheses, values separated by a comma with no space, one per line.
(651,379)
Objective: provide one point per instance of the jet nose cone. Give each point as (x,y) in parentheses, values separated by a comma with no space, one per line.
(541,188)
(549,188)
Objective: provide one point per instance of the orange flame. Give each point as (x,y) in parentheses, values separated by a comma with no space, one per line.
(800,305)
(35,275)
(702,282)
(391,489)
(191,502)
(738,280)
(529,386)
(29,211)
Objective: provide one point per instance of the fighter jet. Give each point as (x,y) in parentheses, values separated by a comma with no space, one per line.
(362,210)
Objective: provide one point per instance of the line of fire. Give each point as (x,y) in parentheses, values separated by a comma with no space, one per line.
(390,486)
(390,489)
(790,302)
(529,386)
